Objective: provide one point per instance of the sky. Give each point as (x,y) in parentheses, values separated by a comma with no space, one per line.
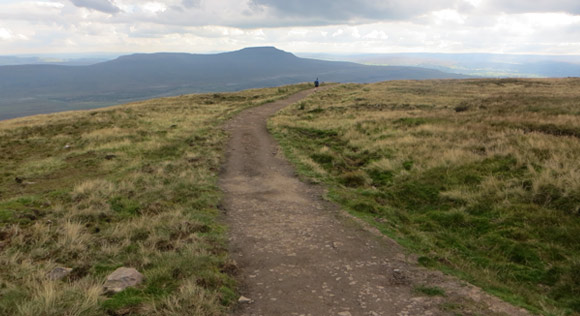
(325,26)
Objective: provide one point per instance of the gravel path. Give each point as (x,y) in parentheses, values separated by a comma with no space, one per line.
(299,254)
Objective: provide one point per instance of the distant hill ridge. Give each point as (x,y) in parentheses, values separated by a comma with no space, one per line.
(33,89)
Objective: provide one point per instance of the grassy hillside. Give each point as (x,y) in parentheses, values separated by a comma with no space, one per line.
(480,177)
(133,185)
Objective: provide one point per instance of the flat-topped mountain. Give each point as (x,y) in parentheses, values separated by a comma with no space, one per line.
(33,89)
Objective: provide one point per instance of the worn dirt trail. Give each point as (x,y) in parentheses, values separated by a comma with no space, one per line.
(301,255)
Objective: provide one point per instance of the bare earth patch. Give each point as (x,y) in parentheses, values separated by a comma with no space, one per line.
(299,254)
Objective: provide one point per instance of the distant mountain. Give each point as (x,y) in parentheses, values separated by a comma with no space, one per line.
(486,65)
(33,89)
(53,60)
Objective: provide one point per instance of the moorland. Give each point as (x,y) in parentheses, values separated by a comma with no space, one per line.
(133,185)
(479,177)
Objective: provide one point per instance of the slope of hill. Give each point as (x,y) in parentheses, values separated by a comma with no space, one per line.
(133,185)
(480,177)
(32,89)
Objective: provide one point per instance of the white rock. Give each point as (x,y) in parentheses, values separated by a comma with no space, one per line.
(244,300)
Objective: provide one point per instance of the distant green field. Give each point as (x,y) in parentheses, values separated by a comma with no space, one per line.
(133,185)
(481,178)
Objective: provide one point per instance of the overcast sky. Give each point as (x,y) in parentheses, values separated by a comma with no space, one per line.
(334,26)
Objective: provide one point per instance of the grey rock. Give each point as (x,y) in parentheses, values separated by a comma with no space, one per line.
(58,273)
(399,277)
(122,278)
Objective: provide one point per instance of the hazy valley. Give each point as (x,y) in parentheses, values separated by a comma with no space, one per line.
(47,88)
(480,65)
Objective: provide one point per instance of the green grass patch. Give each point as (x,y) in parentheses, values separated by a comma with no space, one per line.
(429,290)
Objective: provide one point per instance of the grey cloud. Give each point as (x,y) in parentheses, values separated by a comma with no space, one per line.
(348,11)
(100,5)
(191,3)
(527,6)
(295,13)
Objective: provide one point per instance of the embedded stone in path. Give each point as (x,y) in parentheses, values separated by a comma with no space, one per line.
(244,300)
(122,278)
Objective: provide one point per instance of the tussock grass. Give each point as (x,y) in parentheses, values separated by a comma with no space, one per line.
(480,177)
(132,185)
(429,290)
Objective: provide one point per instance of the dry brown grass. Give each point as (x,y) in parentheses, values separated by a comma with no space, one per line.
(479,176)
(132,185)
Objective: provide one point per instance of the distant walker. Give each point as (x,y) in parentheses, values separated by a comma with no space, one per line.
(316,83)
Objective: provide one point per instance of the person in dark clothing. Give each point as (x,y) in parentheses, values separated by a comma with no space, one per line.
(316,83)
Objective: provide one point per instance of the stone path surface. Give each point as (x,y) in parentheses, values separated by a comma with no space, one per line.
(299,254)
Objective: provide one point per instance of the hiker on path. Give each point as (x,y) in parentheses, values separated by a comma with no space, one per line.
(316,83)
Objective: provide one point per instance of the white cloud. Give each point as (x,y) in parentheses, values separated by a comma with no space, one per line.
(5,34)
(298,32)
(338,26)
(8,35)
(30,10)
(376,35)
(448,16)
(154,7)
(51,5)
(474,3)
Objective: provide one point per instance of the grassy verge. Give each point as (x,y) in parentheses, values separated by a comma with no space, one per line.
(132,185)
(480,177)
